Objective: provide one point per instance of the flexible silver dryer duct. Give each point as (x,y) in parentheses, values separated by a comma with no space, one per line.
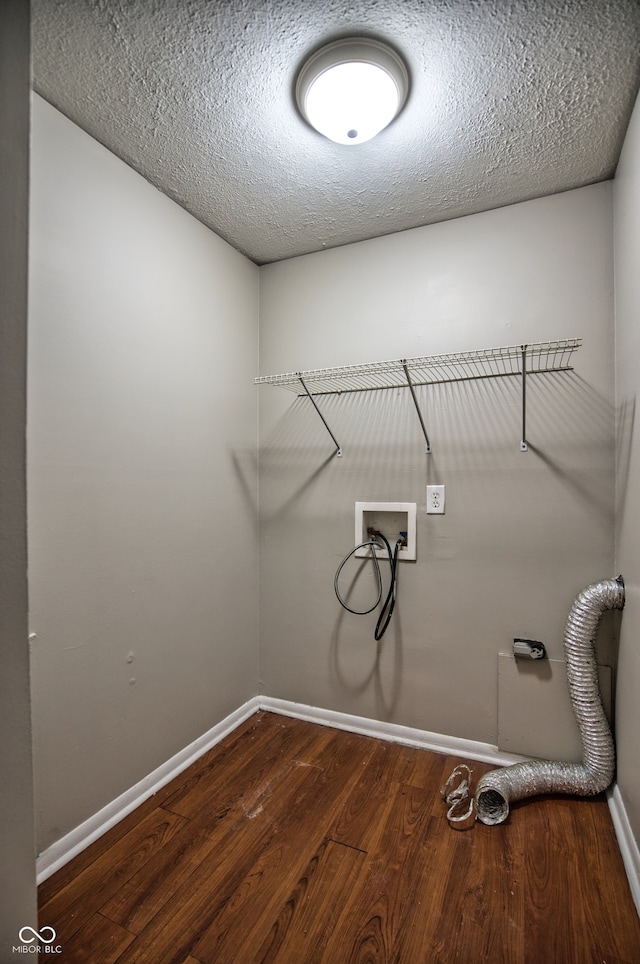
(595,773)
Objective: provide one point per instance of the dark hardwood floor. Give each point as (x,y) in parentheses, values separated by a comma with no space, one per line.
(297,843)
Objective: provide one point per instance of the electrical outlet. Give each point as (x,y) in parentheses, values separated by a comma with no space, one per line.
(435,499)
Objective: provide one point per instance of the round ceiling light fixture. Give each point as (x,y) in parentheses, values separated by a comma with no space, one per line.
(351,89)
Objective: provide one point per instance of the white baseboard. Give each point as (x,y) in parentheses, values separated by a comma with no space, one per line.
(394,732)
(73,843)
(626,841)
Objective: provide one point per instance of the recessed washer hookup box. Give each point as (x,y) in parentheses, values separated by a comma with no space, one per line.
(390,518)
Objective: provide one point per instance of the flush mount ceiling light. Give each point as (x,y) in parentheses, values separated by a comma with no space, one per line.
(352,89)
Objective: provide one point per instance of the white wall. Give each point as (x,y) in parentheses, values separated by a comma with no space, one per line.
(142,481)
(143,471)
(523,532)
(17,884)
(627,292)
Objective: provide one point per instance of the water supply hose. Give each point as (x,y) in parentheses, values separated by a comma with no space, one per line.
(370,544)
(389,604)
(497,788)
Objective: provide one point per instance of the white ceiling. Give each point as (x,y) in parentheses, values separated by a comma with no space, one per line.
(509,100)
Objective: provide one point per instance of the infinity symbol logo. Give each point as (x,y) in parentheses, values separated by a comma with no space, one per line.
(37,935)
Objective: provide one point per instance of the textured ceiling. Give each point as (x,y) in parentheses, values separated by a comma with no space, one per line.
(509,100)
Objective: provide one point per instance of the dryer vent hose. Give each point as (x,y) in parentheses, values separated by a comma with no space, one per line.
(498,787)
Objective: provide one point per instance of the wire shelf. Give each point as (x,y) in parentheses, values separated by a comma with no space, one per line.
(457,366)
(520,360)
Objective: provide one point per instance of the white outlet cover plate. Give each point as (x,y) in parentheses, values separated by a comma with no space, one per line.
(390,518)
(435,499)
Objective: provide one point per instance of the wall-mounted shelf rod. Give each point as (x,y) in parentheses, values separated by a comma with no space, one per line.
(515,360)
(523,439)
(417,407)
(322,418)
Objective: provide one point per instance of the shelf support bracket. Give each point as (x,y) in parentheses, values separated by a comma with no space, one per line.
(322,418)
(524,447)
(427,447)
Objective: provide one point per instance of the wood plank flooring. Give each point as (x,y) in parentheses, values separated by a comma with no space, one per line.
(295,843)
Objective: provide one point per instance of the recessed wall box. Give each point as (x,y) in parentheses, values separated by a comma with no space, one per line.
(528,649)
(390,518)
